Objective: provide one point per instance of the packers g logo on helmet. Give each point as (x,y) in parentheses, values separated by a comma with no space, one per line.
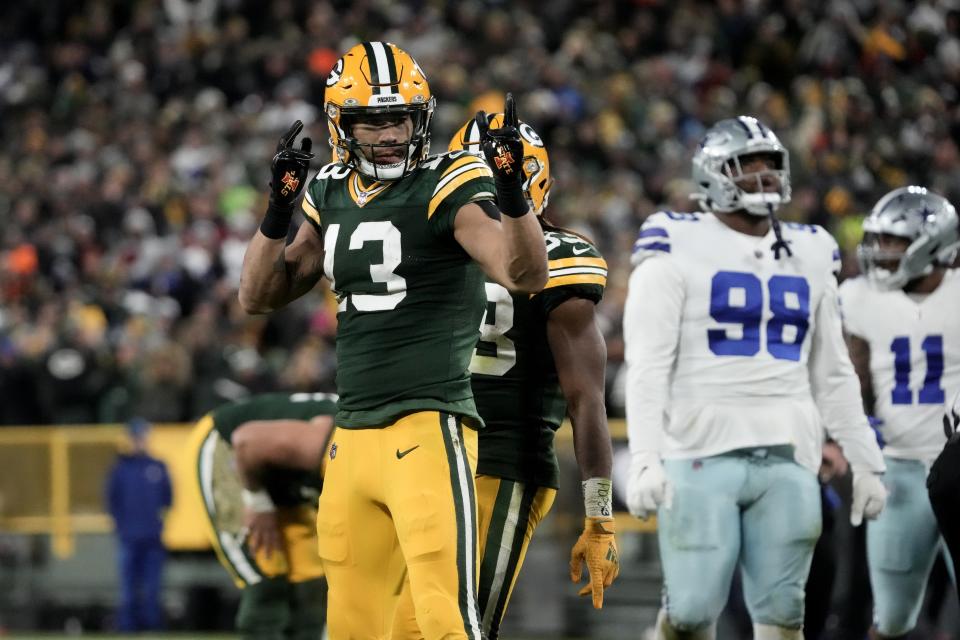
(374,78)
(536,163)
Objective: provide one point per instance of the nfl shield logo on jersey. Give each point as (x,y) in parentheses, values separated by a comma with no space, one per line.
(333,451)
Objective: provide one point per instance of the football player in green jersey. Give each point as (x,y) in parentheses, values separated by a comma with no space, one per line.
(538,358)
(258,476)
(405,240)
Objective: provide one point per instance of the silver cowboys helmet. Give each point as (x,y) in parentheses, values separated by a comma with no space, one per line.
(924,218)
(717,167)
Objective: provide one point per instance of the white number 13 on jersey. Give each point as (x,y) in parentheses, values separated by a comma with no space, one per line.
(385,233)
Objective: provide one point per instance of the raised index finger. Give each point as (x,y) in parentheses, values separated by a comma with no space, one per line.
(510,111)
(287,140)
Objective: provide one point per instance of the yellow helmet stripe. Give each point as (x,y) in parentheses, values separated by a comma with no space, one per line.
(456,181)
(576,279)
(572,262)
(391,67)
(383,68)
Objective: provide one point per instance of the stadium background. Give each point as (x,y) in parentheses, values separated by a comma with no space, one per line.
(136,137)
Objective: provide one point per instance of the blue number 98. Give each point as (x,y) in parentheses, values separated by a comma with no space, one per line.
(789,298)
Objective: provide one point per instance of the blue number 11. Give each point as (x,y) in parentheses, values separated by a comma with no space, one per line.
(931,391)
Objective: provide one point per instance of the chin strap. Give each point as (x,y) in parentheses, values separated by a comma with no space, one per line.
(780,243)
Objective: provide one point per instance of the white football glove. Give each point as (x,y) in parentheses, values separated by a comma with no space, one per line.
(647,485)
(869,496)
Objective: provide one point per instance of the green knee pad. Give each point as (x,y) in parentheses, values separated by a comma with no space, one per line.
(308,609)
(264,612)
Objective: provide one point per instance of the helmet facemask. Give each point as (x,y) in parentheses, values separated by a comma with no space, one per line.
(362,156)
(718,168)
(924,221)
(752,194)
(882,265)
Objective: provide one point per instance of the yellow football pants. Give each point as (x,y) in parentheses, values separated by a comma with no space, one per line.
(398,503)
(508,514)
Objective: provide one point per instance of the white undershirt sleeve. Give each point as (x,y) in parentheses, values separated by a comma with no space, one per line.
(651,328)
(836,388)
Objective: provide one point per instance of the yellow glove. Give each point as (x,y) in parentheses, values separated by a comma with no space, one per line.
(598,546)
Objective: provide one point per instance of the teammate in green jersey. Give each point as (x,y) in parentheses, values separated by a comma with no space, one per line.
(537,357)
(258,476)
(540,357)
(405,240)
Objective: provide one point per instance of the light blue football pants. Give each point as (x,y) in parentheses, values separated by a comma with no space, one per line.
(902,545)
(755,508)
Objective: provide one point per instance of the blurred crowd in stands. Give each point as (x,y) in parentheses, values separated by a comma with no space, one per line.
(136,139)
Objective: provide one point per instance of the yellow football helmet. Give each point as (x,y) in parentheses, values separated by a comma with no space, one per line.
(536,163)
(370,79)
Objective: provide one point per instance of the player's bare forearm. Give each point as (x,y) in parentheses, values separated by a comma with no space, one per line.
(859,350)
(274,274)
(580,354)
(511,251)
(289,443)
(525,253)
(248,462)
(591,439)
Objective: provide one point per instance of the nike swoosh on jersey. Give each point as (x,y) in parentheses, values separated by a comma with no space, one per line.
(400,454)
(583,250)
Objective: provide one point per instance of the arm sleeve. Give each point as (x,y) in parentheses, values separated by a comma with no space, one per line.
(550,299)
(466,179)
(850,306)
(651,328)
(312,196)
(836,388)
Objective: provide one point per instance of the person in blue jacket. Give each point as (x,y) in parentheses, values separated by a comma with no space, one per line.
(138,494)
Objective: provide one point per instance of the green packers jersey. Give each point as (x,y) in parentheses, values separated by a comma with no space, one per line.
(410,298)
(287,487)
(514,377)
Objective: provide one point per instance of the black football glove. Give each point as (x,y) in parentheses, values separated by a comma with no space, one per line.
(502,147)
(503,151)
(289,167)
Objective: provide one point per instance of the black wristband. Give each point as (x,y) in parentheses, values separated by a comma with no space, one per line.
(510,198)
(276,223)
